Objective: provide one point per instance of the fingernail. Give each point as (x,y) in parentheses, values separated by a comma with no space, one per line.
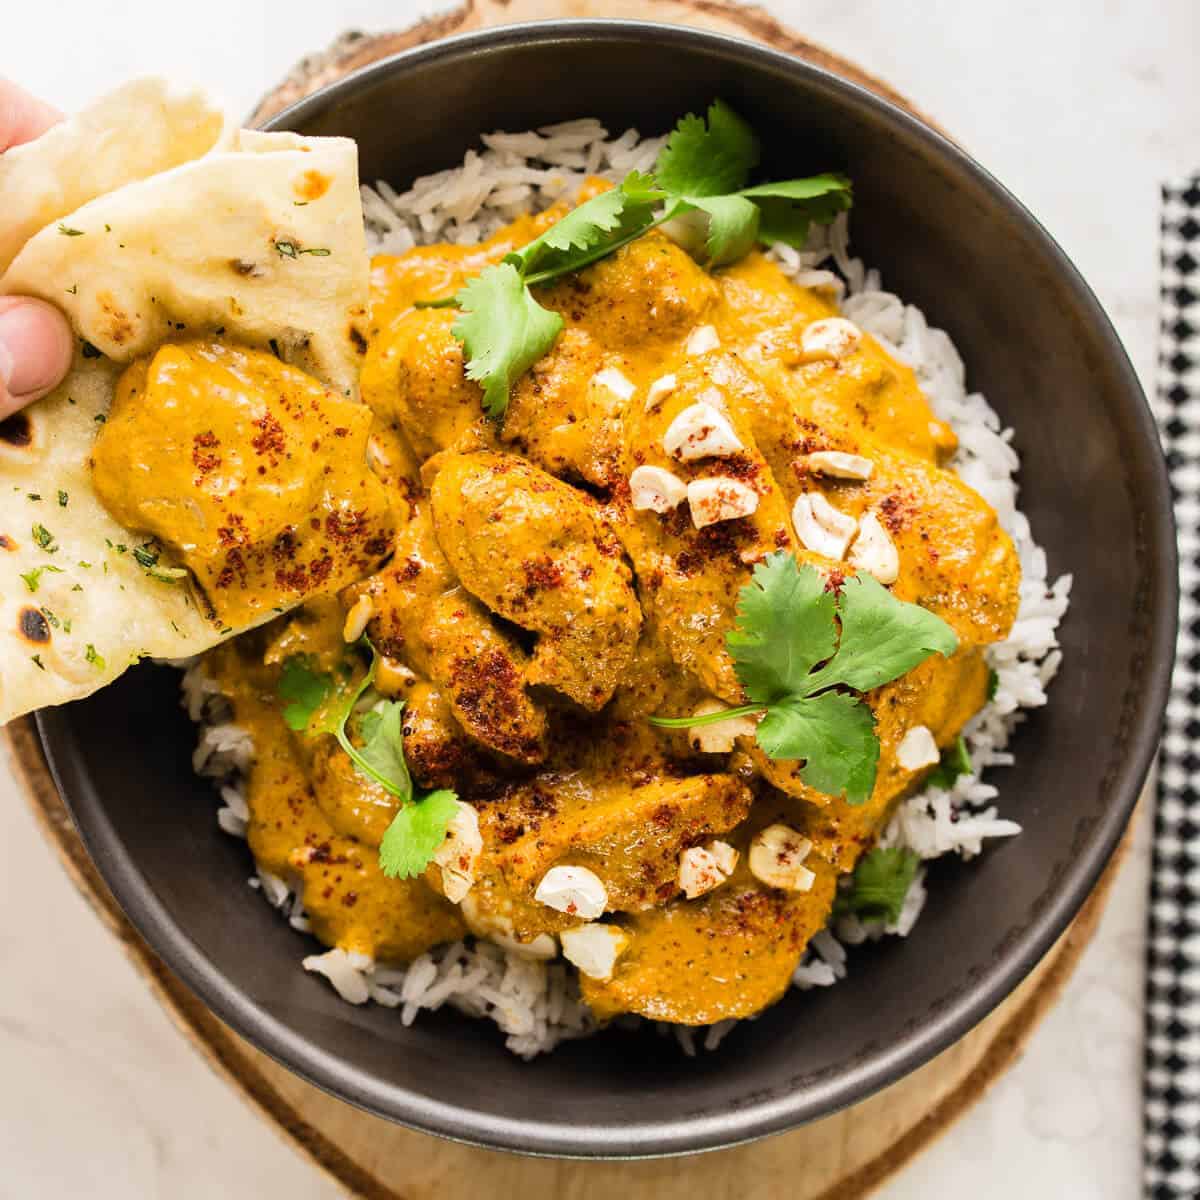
(35,347)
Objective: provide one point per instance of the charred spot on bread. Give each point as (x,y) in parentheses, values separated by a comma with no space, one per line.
(33,626)
(17,430)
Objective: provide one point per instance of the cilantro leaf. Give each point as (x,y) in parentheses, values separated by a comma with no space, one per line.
(383,742)
(882,637)
(785,627)
(580,229)
(732,227)
(955,761)
(880,884)
(416,833)
(834,733)
(504,331)
(305,690)
(708,159)
(570,242)
(788,209)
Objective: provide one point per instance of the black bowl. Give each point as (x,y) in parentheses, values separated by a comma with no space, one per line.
(948,237)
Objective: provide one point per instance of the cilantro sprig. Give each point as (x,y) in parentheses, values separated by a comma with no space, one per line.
(703,167)
(802,654)
(314,707)
(879,885)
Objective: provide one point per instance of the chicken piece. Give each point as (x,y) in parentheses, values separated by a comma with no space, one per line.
(730,953)
(437,749)
(647,294)
(630,838)
(248,471)
(867,392)
(412,371)
(563,420)
(540,554)
(689,577)
(954,558)
(423,617)
(413,377)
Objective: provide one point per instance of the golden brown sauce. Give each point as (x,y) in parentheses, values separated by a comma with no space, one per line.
(251,473)
(532,619)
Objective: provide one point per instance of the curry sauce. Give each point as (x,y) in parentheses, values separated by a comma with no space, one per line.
(535,612)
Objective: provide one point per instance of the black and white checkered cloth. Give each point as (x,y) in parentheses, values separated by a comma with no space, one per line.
(1172,1079)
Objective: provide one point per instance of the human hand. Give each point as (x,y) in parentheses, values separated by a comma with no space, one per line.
(35,341)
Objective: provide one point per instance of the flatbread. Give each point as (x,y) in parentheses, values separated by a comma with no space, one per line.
(259,240)
(136,131)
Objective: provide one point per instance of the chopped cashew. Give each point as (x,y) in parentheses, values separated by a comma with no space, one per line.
(702,340)
(820,527)
(874,551)
(720,499)
(917,749)
(704,868)
(701,431)
(715,397)
(775,857)
(361,612)
(594,949)
(718,738)
(612,380)
(543,947)
(660,389)
(831,337)
(688,230)
(497,927)
(838,464)
(392,676)
(458,855)
(574,890)
(657,489)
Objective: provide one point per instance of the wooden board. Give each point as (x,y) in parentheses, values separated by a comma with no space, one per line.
(843,1157)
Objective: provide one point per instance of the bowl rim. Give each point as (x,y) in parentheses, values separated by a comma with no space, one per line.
(638,1138)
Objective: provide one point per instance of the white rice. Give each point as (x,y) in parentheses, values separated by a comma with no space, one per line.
(537,1004)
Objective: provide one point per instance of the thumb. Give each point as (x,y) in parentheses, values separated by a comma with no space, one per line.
(36,348)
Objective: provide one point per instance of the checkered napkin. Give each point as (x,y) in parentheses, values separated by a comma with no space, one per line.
(1172,1079)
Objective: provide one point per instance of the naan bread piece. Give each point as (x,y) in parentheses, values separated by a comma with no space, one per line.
(260,245)
(265,243)
(136,131)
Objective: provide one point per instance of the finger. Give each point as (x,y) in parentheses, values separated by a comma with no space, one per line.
(22,116)
(36,347)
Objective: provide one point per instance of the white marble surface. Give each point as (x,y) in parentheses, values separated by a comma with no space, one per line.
(1081,107)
